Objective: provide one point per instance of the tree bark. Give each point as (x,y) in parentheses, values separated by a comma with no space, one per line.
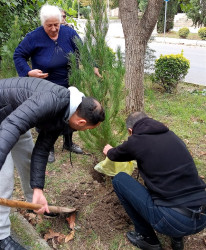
(137,31)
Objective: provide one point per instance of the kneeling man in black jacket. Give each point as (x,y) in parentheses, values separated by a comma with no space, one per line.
(33,102)
(173,199)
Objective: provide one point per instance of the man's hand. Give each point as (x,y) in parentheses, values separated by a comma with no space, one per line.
(39,198)
(106,148)
(96,72)
(37,73)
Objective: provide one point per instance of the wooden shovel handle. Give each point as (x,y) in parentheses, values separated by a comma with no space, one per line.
(32,206)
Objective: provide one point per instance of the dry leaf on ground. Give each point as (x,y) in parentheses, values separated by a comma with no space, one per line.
(71,221)
(204,239)
(61,238)
(51,235)
(69,236)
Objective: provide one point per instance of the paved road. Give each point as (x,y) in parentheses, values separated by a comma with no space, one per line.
(196,55)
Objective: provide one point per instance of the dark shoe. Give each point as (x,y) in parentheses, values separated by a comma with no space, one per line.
(177,243)
(138,240)
(74,148)
(9,244)
(51,157)
(50,215)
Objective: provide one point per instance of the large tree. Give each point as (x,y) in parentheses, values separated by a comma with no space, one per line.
(196,10)
(137,31)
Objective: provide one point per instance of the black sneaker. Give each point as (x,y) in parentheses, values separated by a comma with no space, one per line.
(138,240)
(177,243)
(73,148)
(51,157)
(9,244)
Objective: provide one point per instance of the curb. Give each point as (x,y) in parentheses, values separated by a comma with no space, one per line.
(23,232)
(186,42)
(166,40)
(118,33)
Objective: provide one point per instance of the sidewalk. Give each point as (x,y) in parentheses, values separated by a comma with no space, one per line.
(115,31)
(186,42)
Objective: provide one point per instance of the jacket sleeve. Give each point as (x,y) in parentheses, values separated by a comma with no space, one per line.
(39,158)
(38,108)
(121,153)
(21,55)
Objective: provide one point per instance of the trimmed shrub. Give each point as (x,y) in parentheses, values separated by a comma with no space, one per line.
(202,33)
(169,70)
(183,32)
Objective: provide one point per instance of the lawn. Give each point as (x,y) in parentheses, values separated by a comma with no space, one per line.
(101,222)
(174,34)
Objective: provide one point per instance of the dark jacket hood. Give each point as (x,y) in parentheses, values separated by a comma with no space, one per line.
(149,126)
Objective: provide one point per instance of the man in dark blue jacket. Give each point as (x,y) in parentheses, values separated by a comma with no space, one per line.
(33,102)
(173,199)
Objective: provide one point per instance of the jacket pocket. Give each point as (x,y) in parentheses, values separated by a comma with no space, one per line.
(5,111)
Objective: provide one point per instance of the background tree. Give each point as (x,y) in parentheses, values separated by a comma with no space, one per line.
(69,3)
(109,89)
(142,5)
(66,5)
(171,12)
(137,31)
(196,10)
(7,65)
(27,12)
(75,5)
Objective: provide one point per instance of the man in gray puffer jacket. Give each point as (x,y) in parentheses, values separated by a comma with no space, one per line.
(32,102)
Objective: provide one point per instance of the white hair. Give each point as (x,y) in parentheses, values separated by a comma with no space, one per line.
(47,11)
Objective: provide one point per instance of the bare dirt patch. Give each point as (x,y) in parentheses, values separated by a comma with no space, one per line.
(99,211)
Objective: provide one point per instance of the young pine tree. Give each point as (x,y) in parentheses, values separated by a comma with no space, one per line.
(108,90)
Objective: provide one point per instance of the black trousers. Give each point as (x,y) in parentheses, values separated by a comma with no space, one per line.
(67,138)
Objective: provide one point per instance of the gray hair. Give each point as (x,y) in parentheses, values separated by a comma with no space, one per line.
(133,118)
(47,11)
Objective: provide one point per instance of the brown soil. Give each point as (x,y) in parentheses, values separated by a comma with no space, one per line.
(103,215)
(106,216)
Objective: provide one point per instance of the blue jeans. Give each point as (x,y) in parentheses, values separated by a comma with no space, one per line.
(146,216)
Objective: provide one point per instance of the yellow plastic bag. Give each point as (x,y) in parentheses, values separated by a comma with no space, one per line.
(111,168)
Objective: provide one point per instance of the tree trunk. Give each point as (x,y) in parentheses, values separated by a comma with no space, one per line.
(137,32)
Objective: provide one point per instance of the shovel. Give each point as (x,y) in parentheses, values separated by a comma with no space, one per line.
(29,205)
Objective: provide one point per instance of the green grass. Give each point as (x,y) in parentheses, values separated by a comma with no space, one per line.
(43,227)
(174,34)
(184,112)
